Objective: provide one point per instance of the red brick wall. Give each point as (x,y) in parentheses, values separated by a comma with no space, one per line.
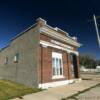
(45,68)
(45,62)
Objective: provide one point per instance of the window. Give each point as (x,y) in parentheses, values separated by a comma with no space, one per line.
(57,65)
(6,60)
(71,58)
(16,58)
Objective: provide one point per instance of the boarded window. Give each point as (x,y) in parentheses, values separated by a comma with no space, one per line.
(16,58)
(6,60)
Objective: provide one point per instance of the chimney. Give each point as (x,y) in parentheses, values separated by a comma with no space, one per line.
(41,22)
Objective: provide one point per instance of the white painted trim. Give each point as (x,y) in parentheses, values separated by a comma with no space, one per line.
(58,47)
(57,55)
(57,76)
(74,52)
(57,83)
(45,46)
(15,58)
(58,29)
(40,19)
(55,34)
(61,44)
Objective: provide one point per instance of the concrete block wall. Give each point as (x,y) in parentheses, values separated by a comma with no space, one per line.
(25,71)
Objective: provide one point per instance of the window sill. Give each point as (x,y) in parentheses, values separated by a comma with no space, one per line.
(57,77)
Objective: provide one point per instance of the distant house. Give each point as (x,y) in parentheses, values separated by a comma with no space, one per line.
(41,56)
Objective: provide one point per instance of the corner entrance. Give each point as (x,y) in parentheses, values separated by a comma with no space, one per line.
(74,66)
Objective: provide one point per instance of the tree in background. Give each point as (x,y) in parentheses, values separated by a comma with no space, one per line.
(88,61)
(98,62)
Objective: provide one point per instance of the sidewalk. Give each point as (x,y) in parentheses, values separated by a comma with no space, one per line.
(60,92)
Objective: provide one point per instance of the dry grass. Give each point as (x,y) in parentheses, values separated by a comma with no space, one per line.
(9,90)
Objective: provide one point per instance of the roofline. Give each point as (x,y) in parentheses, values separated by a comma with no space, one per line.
(58,36)
(18,35)
(21,33)
(1,49)
(32,26)
(67,34)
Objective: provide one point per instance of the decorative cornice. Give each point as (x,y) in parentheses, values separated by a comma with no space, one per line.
(61,44)
(45,43)
(57,35)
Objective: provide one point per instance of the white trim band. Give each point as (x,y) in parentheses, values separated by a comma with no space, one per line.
(57,83)
(57,77)
(45,43)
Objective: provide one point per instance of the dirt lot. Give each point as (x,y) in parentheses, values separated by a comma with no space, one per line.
(91,76)
(91,93)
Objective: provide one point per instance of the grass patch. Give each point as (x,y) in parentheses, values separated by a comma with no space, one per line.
(9,90)
(80,92)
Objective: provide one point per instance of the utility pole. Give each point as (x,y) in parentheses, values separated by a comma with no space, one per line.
(96,28)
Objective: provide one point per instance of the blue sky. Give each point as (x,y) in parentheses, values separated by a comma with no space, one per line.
(69,15)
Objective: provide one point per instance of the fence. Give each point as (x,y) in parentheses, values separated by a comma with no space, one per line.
(83,69)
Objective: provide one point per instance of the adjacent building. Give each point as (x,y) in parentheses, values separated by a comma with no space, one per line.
(41,56)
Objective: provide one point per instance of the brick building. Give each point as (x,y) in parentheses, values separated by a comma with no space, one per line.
(41,56)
